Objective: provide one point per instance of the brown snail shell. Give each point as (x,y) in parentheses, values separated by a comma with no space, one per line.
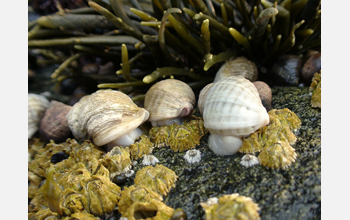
(286,70)
(37,105)
(54,125)
(107,117)
(265,94)
(168,101)
(311,66)
(239,66)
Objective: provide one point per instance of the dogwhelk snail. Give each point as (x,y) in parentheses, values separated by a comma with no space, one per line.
(231,109)
(168,101)
(107,117)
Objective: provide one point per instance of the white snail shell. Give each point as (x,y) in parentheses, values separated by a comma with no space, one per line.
(168,101)
(231,110)
(107,117)
(239,66)
(37,105)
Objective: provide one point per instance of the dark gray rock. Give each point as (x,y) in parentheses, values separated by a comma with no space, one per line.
(291,194)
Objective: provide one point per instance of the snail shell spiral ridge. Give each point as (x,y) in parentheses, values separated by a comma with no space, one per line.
(105,116)
(168,100)
(231,109)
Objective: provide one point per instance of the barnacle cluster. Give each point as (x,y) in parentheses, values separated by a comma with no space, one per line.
(232,206)
(80,185)
(144,200)
(315,88)
(274,140)
(179,137)
(173,38)
(76,191)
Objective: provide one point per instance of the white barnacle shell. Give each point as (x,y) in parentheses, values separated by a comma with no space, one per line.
(129,173)
(193,156)
(107,117)
(249,160)
(149,160)
(37,105)
(231,109)
(168,101)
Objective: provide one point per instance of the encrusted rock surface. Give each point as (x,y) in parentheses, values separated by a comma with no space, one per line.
(291,194)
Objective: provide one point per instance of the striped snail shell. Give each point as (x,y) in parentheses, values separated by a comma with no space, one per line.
(239,66)
(107,117)
(168,101)
(231,109)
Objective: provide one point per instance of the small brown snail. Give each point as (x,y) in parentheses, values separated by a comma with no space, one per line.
(311,66)
(54,125)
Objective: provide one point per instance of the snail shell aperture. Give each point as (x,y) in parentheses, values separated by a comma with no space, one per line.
(107,117)
(231,110)
(168,101)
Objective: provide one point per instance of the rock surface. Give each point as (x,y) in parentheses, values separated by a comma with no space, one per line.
(291,194)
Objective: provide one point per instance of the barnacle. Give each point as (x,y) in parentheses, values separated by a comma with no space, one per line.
(315,88)
(249,160)
(231,206)
(73,178)
(116,161)
(193,156)
(159,178)
(141,147)
(149,160)
(278,154)
(134,194)
(102,195)
(80,216)
(77,190)
(43,214)
(179,137)
(253,143)
(154,210)
(286,117)
(160,135)
(274,140)
(42,158)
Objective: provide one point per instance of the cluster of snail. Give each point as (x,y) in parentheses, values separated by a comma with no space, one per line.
(230,106)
